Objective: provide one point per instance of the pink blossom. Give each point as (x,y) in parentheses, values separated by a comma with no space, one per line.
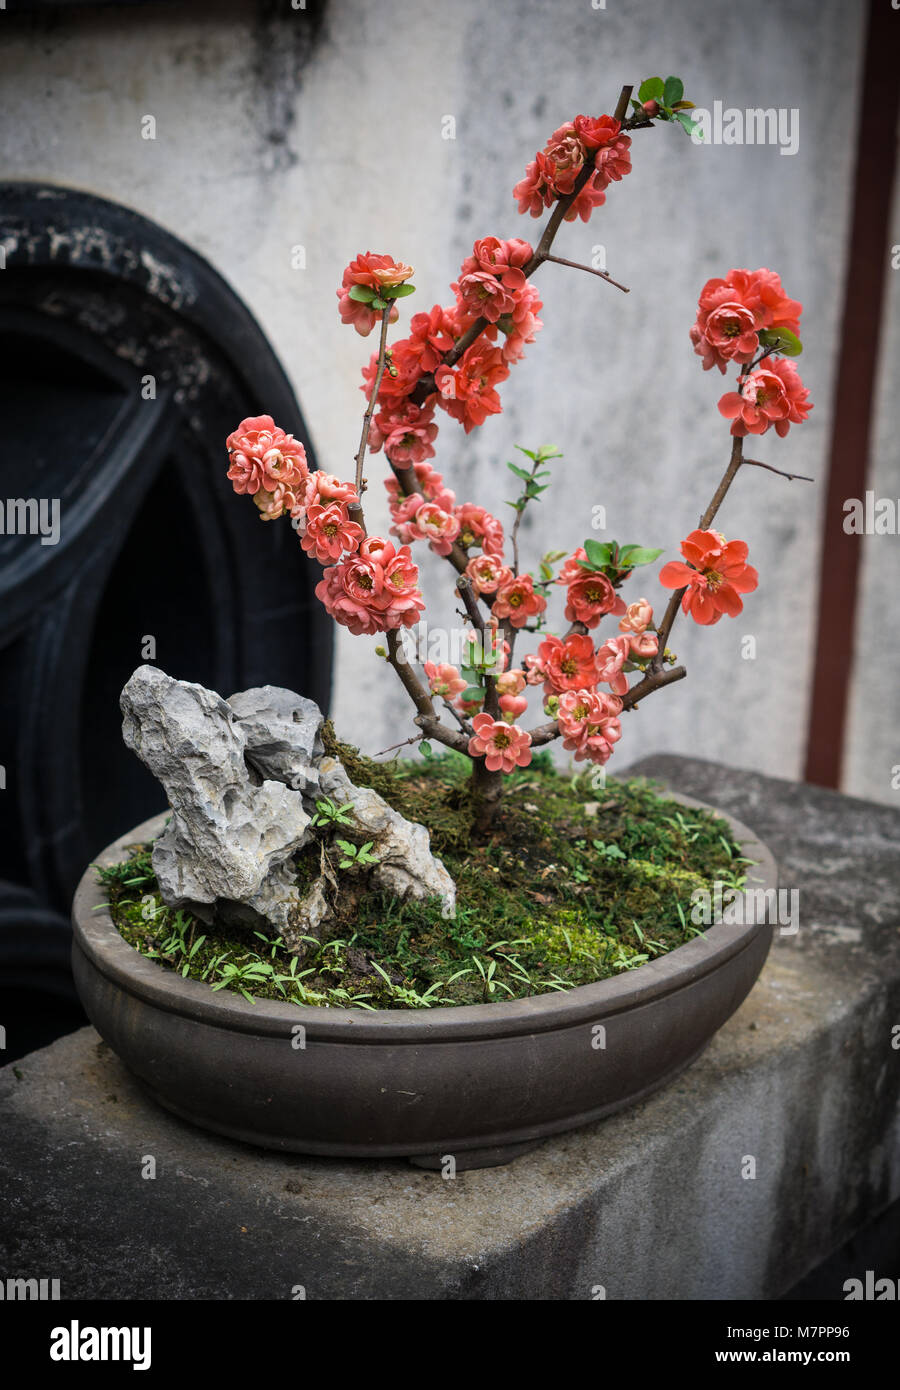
(534,669)
(468,390)
(478,527)
(638,617)
(506,259)
(263,457)
(485,296)
(590,596)
(436,526)
(644,645)
(568,663)
(375,590)
(732,312)
(274,504)
(517,601)
(611,657)
(325,488)
(589,724)
(513,706)
(444,680)
(374,272)
(431,483)
(771,395)
(511,683)
(503,746)
(329,531)
(486,573)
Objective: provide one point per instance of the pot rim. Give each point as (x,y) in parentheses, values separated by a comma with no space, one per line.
(96,935)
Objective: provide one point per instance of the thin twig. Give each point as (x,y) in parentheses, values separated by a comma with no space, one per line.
(376,385)
(416,738)
(577,265)
(791,477)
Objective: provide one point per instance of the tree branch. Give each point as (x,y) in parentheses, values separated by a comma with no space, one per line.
(576,265)
(373,396)
(791,477)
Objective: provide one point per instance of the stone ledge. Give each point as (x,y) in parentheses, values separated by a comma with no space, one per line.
(650,1204)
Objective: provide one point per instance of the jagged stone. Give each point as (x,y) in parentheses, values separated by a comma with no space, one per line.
(281,733)
(242,777)
(406,866)
(226,834)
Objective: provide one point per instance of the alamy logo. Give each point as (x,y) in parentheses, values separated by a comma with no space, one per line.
(871,516)
(77,1343)
(736,907)
(31,516)
(20,1290)
(881,1290)
(755,126)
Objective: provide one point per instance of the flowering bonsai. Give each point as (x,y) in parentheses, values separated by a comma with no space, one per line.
(454,359)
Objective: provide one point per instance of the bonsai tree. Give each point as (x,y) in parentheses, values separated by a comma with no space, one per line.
(454,359)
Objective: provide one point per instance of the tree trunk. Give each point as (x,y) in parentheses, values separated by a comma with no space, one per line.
(487,789)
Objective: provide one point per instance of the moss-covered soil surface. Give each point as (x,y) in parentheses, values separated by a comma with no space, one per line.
(575,884)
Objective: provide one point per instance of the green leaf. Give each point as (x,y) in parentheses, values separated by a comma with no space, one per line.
(379,303)
(683,105)
(426,750)
(397,291)
(527,453)
(599,553)
(473,692)
(652,89)
(519,472)
(689,125)
(632,555)
(781,340)
(673,90)
(362,294)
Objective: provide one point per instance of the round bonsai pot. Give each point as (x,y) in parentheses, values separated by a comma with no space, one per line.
(479,1083)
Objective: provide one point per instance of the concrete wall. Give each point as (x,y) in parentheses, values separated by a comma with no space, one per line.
(265,142)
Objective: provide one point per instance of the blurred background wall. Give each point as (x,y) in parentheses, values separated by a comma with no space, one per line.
(323,127)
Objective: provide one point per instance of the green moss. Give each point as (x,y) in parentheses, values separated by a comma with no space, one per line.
(574,886)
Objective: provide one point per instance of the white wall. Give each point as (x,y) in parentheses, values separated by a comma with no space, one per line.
(359,163)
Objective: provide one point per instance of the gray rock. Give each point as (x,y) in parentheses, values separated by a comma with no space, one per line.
(406,866)
(226,834)
(242,777)
(281,734)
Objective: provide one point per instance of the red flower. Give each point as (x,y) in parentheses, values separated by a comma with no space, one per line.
(772,395)
(731,313)
(568,663)
(466,391)
(504,747)
(715,576)
(554,172)
(375,590)
(517,601)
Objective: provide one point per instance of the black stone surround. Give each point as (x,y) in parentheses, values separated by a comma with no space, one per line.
(94,299)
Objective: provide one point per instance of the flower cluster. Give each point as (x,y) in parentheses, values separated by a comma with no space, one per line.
(746,314)
(732,312)
(369,283)
(492,286)
(375,590)
(588,141)
(267,464)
